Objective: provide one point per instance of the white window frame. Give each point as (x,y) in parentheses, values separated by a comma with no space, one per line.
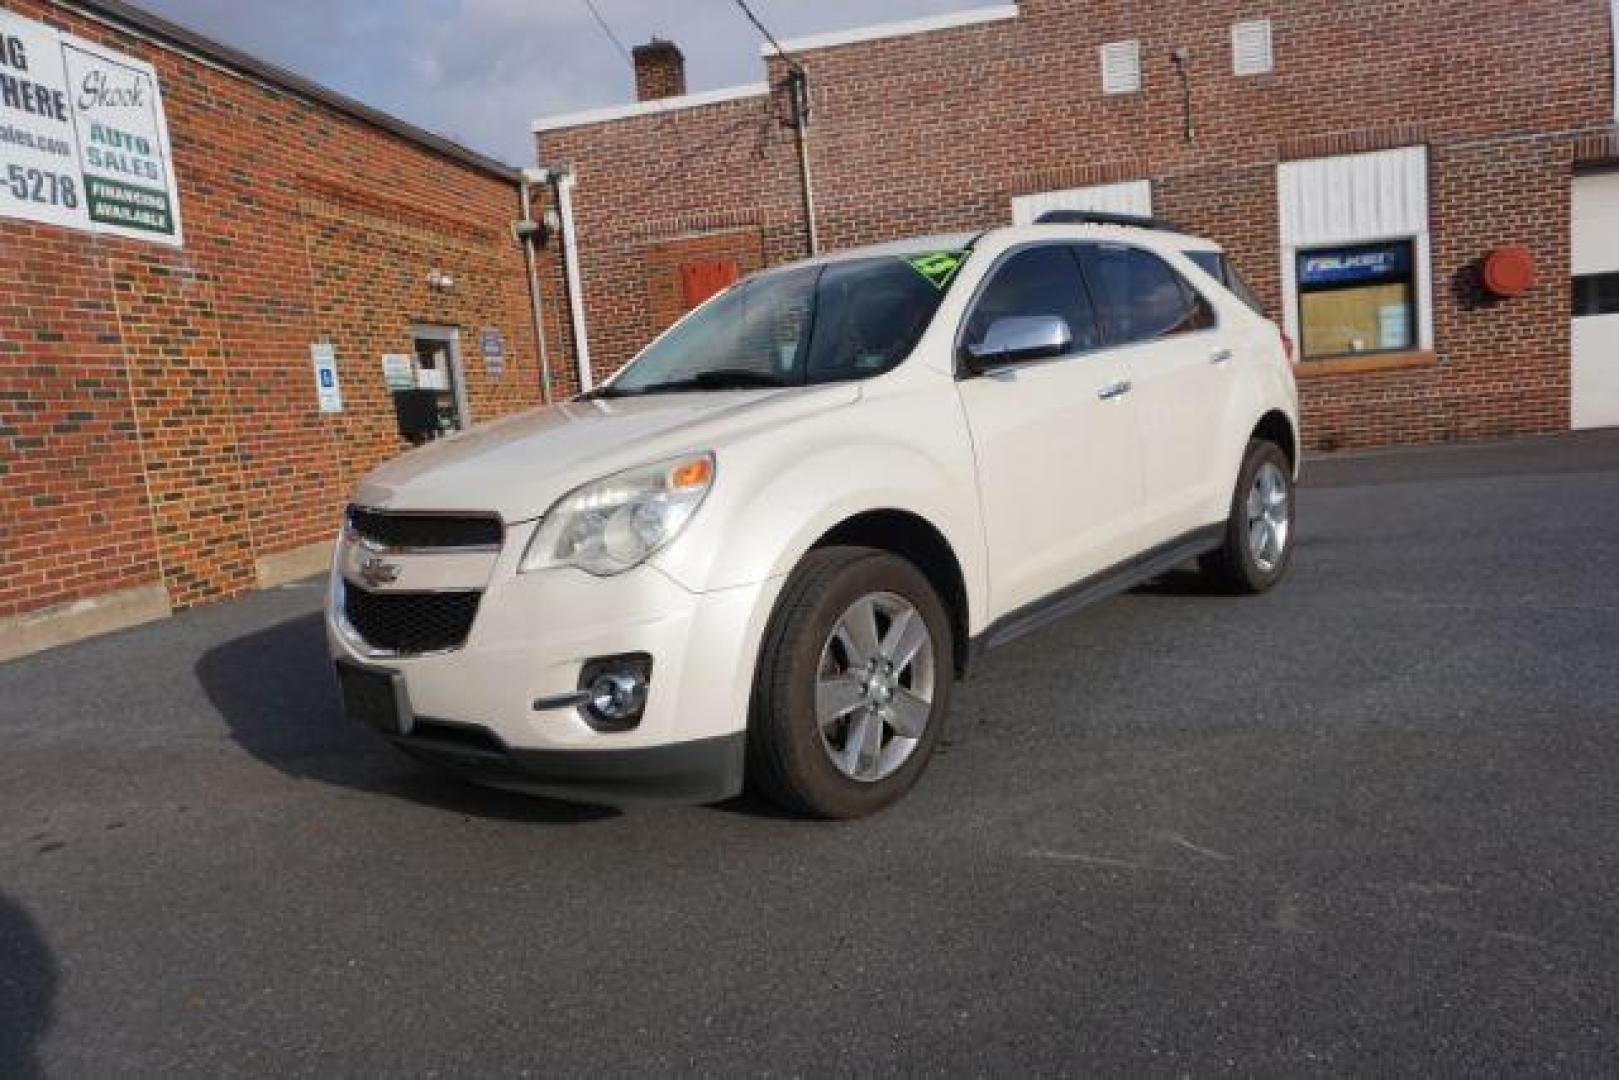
(1614,51)
(1375,198)
(1128,197)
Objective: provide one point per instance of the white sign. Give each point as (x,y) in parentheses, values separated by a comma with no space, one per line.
(83,141)
(398,371)
(326,388)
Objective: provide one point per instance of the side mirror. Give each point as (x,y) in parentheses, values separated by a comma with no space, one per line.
(1021,337)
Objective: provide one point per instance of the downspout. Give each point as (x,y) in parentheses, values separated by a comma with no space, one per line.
(527,230)
(565,180)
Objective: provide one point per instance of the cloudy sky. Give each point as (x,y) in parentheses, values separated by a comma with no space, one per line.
(480,71)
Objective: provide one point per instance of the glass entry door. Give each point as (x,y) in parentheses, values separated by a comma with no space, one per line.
(437,352)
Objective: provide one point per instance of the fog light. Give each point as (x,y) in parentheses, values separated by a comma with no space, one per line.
(617,689)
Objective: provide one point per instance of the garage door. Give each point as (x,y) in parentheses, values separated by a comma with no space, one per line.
(1595,400)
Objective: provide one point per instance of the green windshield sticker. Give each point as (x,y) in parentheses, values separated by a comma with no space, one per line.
(939,267)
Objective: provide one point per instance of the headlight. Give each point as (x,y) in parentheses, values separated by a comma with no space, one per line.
(616,523)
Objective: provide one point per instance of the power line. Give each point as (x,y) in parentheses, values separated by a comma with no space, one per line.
(608,30)
(797,85)
(765,30)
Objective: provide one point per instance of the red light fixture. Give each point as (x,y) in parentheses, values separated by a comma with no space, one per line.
(1509,271)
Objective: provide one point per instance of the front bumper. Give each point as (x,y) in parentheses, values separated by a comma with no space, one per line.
(532,635)
(692,771)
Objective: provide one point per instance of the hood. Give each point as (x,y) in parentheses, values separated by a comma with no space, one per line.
(519,465)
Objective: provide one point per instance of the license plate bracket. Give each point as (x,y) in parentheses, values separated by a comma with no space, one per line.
(375,696)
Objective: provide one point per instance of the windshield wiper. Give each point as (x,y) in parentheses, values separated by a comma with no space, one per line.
(720,379)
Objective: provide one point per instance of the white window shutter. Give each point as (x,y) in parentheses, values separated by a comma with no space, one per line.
(1121,67)
(1251,52)
(1353,199)
(1130,197)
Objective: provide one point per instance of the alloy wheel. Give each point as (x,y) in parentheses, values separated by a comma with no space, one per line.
(874,686)
(1270,521)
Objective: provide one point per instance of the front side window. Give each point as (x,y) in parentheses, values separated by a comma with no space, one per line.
(1036,281)
(842,320)
(1141,297)
(1357,299)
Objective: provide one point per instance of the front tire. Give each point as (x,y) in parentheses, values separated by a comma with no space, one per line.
(853,684)
(1259,533)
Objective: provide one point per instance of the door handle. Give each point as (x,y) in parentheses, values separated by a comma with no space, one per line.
(1114,389)
(1220,355)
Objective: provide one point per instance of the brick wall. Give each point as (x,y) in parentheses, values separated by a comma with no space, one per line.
(938,131)
(158,419)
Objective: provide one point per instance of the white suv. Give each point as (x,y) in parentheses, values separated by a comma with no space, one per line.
(768,546)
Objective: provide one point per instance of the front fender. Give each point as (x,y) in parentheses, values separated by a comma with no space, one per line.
(775,496)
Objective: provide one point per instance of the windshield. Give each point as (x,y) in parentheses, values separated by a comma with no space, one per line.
(810,324)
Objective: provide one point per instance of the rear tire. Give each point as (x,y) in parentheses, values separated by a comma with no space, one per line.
(853,684)
(1259,532)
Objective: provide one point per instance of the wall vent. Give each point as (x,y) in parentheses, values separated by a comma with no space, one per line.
(1251,48)
(1121,67)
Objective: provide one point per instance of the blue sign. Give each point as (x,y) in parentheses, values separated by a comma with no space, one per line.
(492,344)
(1353,265)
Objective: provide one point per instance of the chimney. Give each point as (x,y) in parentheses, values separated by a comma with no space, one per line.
(660,70)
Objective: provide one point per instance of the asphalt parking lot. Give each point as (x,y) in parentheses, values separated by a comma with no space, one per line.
(1366,823)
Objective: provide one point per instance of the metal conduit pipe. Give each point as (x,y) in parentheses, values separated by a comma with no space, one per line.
(528,231)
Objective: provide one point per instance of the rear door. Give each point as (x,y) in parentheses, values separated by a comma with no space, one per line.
(1055,439)
(1181,368)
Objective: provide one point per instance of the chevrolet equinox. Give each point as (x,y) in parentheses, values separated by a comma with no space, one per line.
(770,544)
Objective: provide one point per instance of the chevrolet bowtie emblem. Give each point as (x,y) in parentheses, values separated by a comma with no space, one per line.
(377,571)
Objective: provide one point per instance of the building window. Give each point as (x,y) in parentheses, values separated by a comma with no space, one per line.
(1356,254)
(1596,294)
(1359,299)
(1121,67)
(1251,48)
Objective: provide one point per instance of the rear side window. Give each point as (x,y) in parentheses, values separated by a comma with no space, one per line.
(1140,297)
(1037,281)
(1220,268)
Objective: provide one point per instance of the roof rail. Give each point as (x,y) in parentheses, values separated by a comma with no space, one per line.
(1096,217)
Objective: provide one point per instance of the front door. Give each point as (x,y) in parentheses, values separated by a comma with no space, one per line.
(1055,439)
(1594,382)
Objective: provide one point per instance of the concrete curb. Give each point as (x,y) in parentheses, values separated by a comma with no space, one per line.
(36,631)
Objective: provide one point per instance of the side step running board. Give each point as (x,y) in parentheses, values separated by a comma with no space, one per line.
(1121,578)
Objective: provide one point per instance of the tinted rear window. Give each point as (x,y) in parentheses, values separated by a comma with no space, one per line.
(1140,296)
(1218,267)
